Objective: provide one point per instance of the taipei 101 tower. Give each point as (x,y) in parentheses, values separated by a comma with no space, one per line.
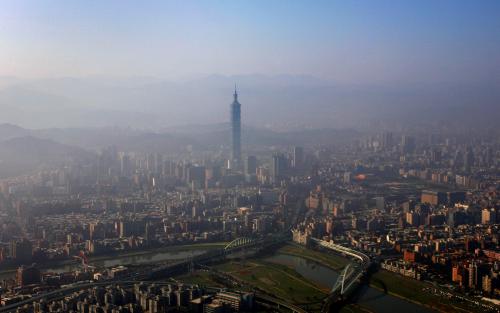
(235,132)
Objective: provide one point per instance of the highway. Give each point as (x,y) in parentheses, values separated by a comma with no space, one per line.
(351,275)
(154,273)
(280,303)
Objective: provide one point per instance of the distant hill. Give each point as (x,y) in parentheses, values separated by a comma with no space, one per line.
(170,140)
(24,150)
(22,155)
(8,131)
(280,102)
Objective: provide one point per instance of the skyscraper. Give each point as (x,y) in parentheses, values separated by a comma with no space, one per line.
(235,131)
(298,157)
(408,144)
(250,167)
(278,167)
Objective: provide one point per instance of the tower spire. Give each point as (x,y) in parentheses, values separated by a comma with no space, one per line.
(235,131)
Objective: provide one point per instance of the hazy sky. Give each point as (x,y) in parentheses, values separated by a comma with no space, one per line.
(346,41)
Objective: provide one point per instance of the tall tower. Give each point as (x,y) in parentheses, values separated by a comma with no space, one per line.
(235,131)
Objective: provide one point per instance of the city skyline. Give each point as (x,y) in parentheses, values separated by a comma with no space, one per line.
(359,173)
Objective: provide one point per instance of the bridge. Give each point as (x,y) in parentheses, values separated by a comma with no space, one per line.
(349,276)
(162,271)
(239,243)
(213,255)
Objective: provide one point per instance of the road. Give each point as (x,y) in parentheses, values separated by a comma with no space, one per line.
(148,274)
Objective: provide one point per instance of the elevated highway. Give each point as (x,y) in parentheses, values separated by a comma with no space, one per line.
(279,303)
(213,255)
(158,272)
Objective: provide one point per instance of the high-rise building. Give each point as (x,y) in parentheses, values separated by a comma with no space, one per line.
(28,275)
(21,251)
(196,175)
(131,228)
(380,203)
(488,216)
(97,231)
(250,165)
(433,197)
(408,144)
(278,167)
(413,219)
(298,157)
(125,165)
(468,160)
(235,131)
(387,140)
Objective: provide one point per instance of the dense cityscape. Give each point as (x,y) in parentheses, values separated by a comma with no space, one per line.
(216,156)
(421,208)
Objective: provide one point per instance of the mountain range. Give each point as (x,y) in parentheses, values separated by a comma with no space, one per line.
(24,150)
(282,102)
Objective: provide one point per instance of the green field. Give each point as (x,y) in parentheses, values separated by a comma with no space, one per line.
(200,278)
(283,282)
(278,280)
(396,284)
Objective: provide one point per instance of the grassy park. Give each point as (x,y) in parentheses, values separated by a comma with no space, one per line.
(283,282)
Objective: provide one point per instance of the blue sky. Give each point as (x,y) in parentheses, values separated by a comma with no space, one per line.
(362,42)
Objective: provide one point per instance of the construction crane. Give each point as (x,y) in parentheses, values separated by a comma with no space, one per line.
(82,257)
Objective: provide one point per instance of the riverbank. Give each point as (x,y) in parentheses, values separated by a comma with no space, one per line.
(176,248)
(404,288)
(332,261)
(377,281)
(401,287)
(300,276)
(413,291)
(10,272)
(329,260)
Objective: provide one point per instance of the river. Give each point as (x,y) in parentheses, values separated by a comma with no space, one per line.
(374,300)
(150,257)
(370,298)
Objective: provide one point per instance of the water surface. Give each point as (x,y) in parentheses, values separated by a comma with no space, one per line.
(368,297)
